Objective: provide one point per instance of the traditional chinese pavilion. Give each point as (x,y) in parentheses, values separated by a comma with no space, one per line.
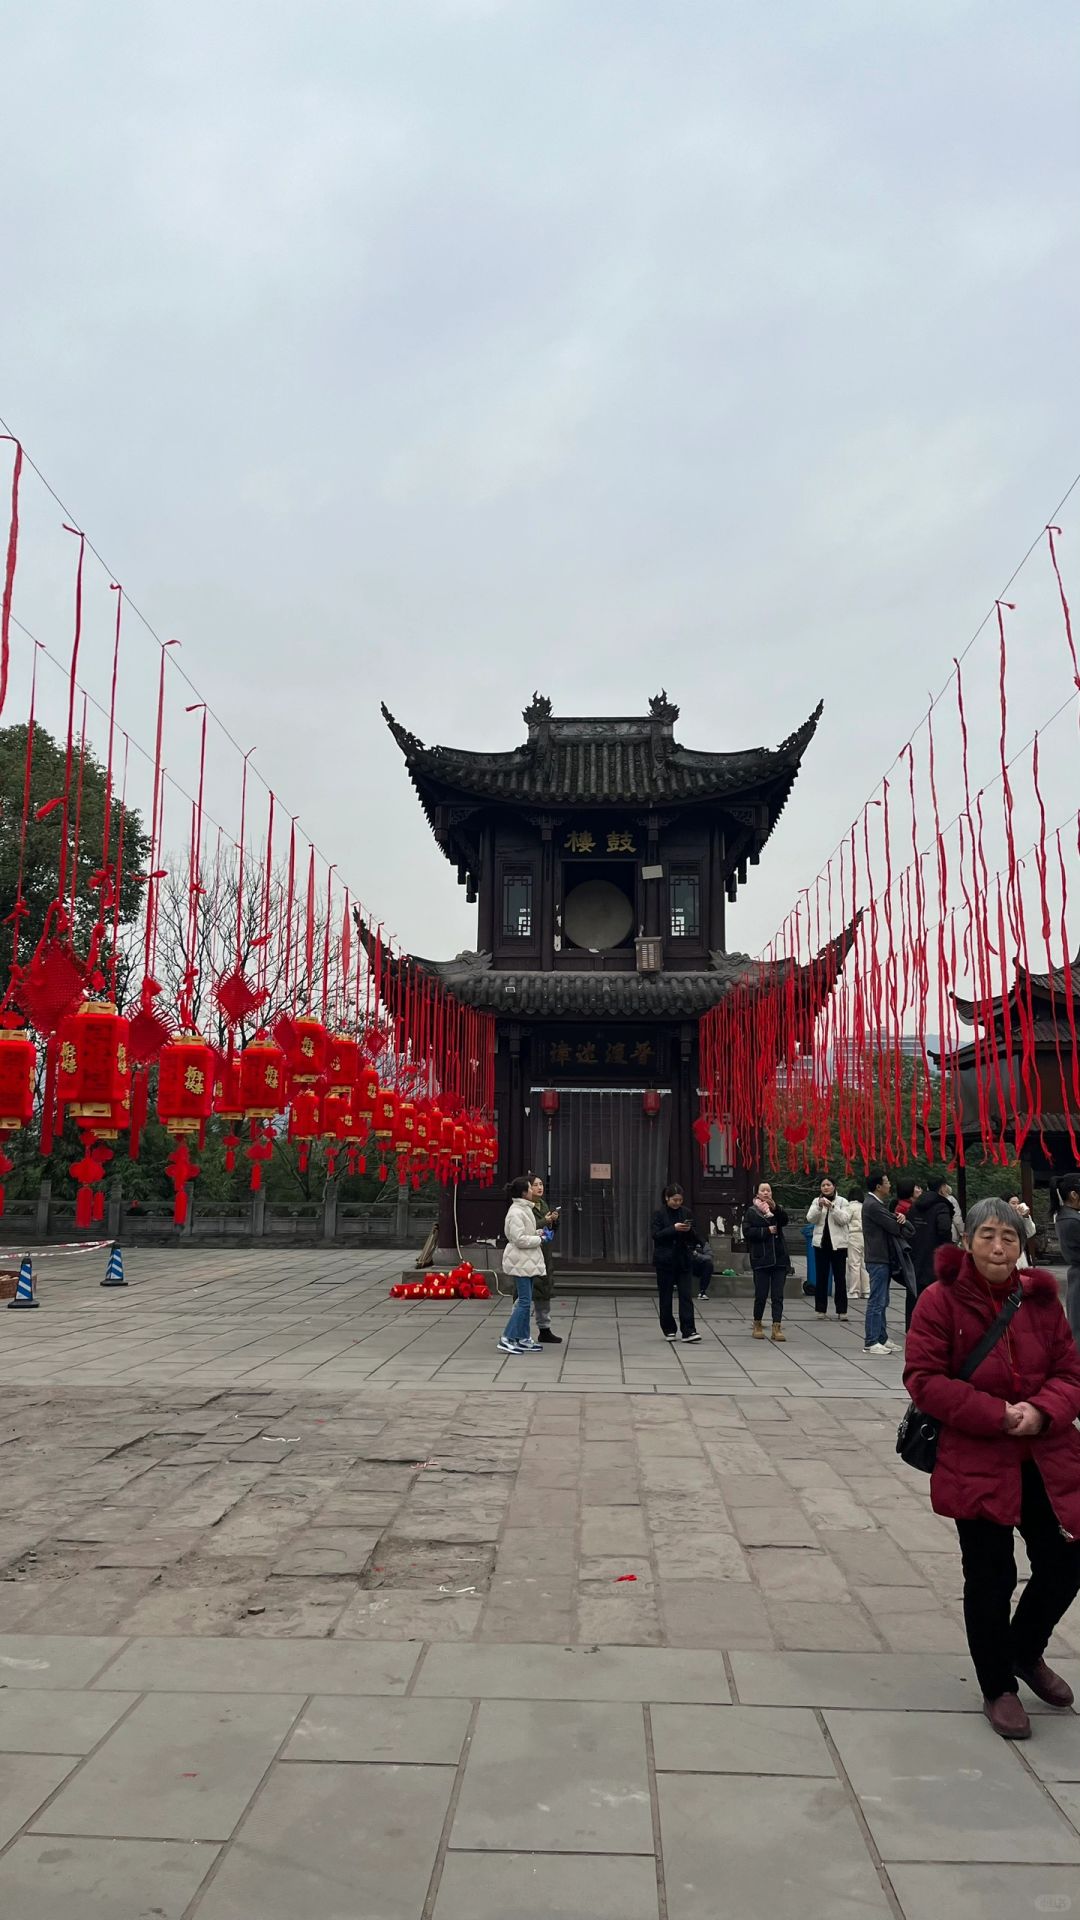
(601,856)
(1025,1106)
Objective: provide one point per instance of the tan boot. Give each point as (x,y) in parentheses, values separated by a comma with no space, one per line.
(759,1331)
(778,1331)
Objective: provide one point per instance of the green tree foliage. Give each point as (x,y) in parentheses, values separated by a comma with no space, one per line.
(41,860)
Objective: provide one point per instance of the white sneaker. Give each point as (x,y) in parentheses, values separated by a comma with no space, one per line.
(888,1346)
(507,1346)
(671,1336)
(879,1349)
(530,1346)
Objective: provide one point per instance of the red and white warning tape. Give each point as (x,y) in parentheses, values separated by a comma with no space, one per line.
(46,1253)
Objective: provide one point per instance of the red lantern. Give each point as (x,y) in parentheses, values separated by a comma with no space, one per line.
(306,1043)
(342,1062)
(263,1073)
(549,1101)
(227,1102)
(367,1091)
(185,1084)
(404,1133)
(384,1115)
(650,1103)
(18,1067)
(93,1063)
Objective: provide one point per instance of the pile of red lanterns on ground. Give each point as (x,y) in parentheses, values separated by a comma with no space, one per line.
(463,1283)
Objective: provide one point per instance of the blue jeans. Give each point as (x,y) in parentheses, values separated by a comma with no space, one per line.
(517,1327)
(876,1330)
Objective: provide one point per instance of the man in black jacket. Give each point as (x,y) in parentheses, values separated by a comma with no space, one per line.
(882,1232)
(931,1218)
(675,1236)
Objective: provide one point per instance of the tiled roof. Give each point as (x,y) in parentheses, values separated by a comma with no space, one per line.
(604,763)
(595,996)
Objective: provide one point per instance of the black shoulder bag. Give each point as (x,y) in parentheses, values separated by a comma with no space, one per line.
(917,1434)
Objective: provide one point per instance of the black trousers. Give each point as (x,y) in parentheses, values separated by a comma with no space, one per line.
(830,1260)
(667,1281)
(769,1280)
(1000,1646)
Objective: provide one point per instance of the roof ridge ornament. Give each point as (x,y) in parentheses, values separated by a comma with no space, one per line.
(661,708)
(538,709)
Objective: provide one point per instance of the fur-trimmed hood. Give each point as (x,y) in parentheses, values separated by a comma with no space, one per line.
(954,1266)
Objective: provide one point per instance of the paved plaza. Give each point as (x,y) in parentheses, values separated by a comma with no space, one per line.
(313,1607)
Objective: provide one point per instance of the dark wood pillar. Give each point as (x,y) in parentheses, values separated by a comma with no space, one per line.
(1027,1183)
(715,927)
(489,906)
(654,889)
(683,1104)
(547,895)
(515,1132)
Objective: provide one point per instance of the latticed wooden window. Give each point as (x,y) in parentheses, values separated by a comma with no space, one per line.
(685,895)
(517,904)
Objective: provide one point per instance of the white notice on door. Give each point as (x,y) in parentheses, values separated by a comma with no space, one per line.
(600,1170)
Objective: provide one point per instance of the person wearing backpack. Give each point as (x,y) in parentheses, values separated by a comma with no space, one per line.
(1008,1452)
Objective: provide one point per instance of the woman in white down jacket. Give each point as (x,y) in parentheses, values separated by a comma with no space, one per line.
(829,1215)
(523,1260)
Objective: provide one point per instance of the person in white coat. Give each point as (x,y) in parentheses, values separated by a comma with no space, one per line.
(830,1215)
(523,1261)
(1030,1229)
(858,1280)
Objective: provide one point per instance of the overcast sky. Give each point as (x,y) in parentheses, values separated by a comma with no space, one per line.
(437,350)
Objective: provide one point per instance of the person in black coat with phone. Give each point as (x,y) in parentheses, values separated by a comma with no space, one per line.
(763,1231)
(674,1238)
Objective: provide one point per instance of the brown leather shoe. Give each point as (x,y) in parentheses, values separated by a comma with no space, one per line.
(1007,1717)
(1047,1684)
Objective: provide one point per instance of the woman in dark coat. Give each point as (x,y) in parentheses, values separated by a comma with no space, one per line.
(674,1237)
(1008,1454)
(763,1232)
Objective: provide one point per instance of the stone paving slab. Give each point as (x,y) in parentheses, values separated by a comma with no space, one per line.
(907,1681)
(26,1781)
(295,1668)
(541,1886)
(746,1740)
(572,1673)
(551,1776)
(101,1879)
(33,1721)
(943,1786)
(789,1849)
(986,1893)
(38,1660)
(181,1767)
(315,1848)
(406,1732)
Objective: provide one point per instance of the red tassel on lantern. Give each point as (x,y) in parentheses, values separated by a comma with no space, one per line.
(180,1169)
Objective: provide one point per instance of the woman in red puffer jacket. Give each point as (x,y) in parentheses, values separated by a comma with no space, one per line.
(1008,1455)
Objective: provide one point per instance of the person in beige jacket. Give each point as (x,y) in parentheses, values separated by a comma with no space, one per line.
(858,1280)
(523,1258)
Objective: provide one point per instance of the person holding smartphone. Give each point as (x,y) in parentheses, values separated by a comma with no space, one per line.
(674,1238)
(547,1219)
